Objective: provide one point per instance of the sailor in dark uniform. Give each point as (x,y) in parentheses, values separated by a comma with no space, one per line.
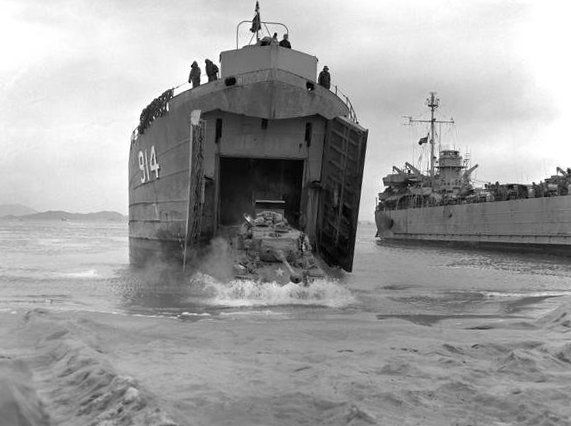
(324,78)
(194,76)
(285,42)
(211,70)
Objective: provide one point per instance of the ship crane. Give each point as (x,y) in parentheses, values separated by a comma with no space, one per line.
(413,169)
(468,172)
(433,103)
(466,176)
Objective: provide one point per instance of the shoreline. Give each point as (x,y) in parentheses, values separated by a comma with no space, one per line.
(82,367)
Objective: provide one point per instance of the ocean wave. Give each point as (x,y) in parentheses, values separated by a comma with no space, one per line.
(512,294)
(90,273)
(243,293)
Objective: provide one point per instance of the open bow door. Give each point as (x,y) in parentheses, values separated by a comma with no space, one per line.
(195,184)
(341,177)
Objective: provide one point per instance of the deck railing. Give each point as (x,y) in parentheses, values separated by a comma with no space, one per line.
(334,89)
(347,101)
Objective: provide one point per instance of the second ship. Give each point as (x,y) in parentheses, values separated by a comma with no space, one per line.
(443,205)
(264,157)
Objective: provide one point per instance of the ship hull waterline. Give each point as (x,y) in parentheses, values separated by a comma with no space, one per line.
(539,225)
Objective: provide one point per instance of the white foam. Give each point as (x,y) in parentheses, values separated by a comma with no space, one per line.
(194,314)
(265,312)
(91,273)
(552,293)
(252,293)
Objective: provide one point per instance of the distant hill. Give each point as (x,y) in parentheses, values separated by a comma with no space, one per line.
(104,216)
(15,210)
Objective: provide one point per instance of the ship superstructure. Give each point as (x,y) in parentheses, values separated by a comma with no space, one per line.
(443,205)
(264,131)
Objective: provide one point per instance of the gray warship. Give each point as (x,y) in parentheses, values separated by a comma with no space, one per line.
(264,157)
(443,205)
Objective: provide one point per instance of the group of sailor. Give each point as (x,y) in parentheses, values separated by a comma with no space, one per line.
(211,72)
(323,80)
(266,41)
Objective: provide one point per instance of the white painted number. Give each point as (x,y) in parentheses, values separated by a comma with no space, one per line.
(142,167)
(154,165)
(145,165)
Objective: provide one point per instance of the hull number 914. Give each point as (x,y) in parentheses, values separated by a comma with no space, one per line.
(148,164)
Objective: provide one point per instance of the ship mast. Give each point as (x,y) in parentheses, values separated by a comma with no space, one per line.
(432,102)
(256,22)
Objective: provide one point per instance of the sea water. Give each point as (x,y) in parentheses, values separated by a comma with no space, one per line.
(84,266)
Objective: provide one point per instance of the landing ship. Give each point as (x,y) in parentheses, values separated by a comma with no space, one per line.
(203,158)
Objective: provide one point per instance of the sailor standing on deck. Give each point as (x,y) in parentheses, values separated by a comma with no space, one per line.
(194,76)
(211,70)
(285,42)
(324,78)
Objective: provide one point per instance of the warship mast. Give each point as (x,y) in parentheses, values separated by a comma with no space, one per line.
(432,102)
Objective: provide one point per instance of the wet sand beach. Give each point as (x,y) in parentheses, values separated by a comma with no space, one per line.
(73,368)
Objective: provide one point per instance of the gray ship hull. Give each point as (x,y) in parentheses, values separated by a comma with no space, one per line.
(532,224)
(265,131)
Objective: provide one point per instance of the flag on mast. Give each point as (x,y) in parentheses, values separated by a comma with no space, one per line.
(256,23)
(423,140)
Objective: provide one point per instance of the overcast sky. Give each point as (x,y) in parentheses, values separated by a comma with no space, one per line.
(75,74)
